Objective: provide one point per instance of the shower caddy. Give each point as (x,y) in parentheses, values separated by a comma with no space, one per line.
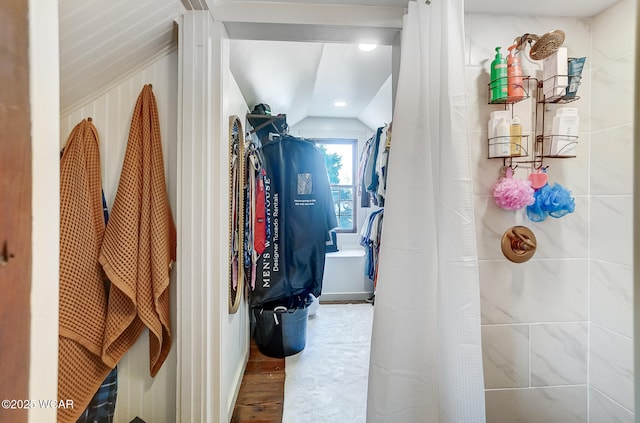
(543,144)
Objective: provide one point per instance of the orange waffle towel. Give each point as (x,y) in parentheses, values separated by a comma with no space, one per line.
(140,244)
(83,302)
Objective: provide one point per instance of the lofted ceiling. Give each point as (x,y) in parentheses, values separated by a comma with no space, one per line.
(296,55)
(304,79)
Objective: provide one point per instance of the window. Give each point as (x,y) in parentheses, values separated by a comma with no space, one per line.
(340,159)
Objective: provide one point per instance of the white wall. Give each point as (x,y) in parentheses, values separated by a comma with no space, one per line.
(235,336)
(152,399)
(344,278)
(44,92)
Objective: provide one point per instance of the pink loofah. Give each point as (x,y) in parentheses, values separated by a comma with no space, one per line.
(511,193)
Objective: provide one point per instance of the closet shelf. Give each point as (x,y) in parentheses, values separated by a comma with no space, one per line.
(258,122)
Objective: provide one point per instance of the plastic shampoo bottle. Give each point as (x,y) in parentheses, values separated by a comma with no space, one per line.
(514,74)
(493,122)
(515,131)
(565,132)
(503,139)
(499,84)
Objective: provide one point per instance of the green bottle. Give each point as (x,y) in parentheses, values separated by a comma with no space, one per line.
(499,85)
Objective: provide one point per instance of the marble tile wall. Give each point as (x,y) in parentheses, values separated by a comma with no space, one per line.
(610,223)
(538,318)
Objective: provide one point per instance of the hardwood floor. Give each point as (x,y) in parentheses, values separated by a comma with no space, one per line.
(261,395)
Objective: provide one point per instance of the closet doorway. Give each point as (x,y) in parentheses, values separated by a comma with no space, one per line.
(303,80)
(306,80)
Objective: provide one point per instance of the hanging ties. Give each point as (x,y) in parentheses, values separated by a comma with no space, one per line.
(234,224)
(253,168)
(255,210)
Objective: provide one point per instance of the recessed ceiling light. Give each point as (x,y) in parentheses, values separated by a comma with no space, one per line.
(367,47)
(339,103)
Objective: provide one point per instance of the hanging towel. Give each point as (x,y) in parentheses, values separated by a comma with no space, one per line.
(83,298)
(140,244)
(102,406)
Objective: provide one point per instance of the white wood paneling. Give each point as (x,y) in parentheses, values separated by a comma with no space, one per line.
(199,257)
(152,399)
(102,43)
(214,345)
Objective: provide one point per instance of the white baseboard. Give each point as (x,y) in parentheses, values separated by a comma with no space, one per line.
(345,296)
(238,382)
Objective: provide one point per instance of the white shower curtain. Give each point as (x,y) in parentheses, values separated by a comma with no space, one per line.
(426,356)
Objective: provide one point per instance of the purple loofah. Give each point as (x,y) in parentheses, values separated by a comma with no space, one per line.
(511,193)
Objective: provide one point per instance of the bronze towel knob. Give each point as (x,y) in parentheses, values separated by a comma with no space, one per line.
(518,244)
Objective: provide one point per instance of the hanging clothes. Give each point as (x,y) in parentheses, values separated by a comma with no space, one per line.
(301,212)
(370,237)
(372,168)
(102,406)
(255,214)
(372,174)
(381,165)
(260,219)
(365,197)
(140,244)
(83,299)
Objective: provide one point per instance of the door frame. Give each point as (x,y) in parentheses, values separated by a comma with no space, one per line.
(45,142)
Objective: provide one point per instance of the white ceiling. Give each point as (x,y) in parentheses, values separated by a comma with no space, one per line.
(102,43)
(303,79)
(567,8)
(502,7)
